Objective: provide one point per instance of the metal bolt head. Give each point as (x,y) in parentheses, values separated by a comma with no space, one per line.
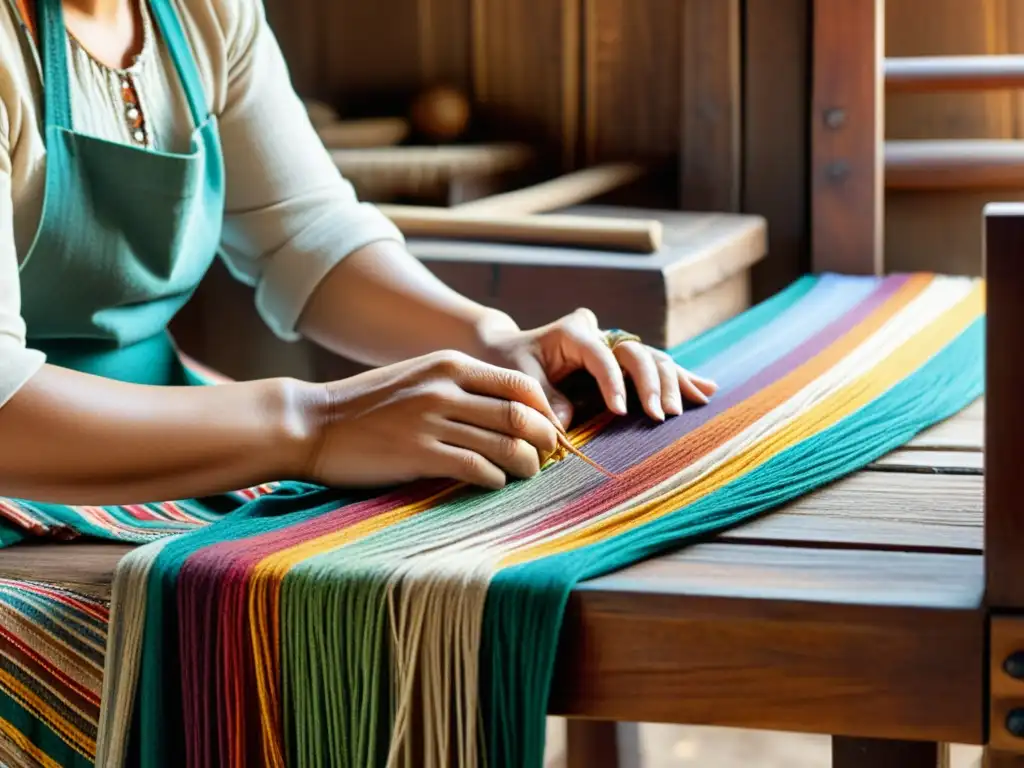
(1014,665)
(1015,723)
(835,117)
(837,170)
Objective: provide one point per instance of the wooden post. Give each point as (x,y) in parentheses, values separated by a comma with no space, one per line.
(1004,421)
(847,132)
(883,753)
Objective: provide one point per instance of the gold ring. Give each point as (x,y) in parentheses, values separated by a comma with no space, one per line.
(615,336)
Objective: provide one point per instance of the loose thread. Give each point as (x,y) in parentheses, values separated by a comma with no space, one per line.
(563,442)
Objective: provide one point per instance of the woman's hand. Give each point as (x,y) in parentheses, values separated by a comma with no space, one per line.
(575,342)
(445,415)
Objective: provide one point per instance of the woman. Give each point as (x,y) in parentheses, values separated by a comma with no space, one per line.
(139,139)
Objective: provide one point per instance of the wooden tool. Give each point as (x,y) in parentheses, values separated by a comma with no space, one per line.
(562,192)
(366,133)
(606,233)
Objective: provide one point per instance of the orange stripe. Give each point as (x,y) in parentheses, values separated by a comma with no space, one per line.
(701,441)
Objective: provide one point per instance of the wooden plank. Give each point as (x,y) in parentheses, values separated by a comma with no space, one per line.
(526,70)
(775,136)
(1004,382)
(669,289)
(712,106)
(885,753)
(879,510)
(87,568)
(632,80)
(376,55)
(823,641)
(932,462)
(846,137)
(963,432)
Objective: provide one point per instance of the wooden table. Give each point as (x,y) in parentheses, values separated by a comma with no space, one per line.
(855,611)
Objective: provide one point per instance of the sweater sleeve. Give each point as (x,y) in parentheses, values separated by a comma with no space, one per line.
(17,363)
(290,216)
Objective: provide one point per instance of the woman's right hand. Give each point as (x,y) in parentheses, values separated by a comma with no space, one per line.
(444,415)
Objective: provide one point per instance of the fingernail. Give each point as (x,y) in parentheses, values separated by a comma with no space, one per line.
(564,414)
(654,408)
(619,404)
(674,407)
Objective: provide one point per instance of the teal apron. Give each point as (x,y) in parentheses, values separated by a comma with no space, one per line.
(125,233)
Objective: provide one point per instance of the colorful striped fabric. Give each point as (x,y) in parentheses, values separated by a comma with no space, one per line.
(418,627)
(51,667)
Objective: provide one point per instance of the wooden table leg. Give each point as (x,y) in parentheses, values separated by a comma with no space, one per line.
(601,744)
(883,753)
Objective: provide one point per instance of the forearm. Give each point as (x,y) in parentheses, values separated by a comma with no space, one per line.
(67,437)
(381,305)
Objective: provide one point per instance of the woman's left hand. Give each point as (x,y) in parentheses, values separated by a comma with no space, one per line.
(552,352)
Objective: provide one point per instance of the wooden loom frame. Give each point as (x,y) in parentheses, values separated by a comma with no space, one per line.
(985,661)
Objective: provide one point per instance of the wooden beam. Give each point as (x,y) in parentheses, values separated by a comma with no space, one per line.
(847,137)
(712,106)
(775,135)
(1004,424)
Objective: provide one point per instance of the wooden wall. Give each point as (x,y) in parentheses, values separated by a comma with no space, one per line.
(710,93)
(942,230)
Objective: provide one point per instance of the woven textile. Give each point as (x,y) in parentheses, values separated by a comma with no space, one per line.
(419,626)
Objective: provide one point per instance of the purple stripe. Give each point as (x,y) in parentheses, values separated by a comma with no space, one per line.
(630,440)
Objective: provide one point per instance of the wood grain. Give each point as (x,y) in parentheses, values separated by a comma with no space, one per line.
(824,641)
(846,137)
(632,80)
(886,753)
(377,55)
(621,235)
(776,136)
(963,432)
(712,106)
(87,568)
(879,510)
(667,289)
(526,70)
(933,462)
(1004,380)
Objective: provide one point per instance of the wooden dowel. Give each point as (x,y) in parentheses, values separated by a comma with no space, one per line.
(635,235)
(932,74)
(957,164)
(371,132)
(562,192)
(447,161)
